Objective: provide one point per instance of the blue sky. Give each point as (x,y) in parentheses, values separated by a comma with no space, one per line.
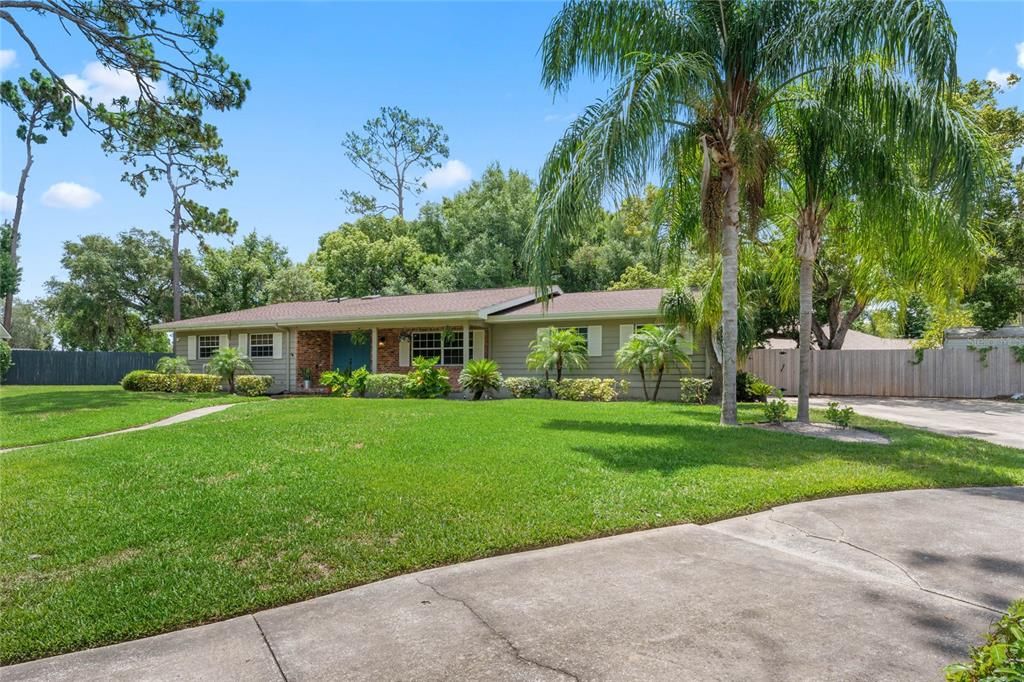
(319,69)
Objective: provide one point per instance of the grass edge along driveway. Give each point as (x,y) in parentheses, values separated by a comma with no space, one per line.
(48,414)
(272,502)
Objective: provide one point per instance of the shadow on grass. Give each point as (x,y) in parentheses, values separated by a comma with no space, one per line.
(937,460)
(85,399)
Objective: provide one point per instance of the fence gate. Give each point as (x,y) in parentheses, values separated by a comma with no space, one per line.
(51,367)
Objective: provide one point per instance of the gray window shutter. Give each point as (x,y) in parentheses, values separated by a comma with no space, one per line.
(478,344)
(223,341)
(278,336)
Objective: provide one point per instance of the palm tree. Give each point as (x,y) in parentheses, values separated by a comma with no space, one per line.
(227,363)
(556,349)
(664,348)
(706,75)
(858,134)
(633,355)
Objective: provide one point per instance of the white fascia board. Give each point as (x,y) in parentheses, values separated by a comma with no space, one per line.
(592,315)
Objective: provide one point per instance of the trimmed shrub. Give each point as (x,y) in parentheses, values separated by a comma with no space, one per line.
(1001,657)
(386,385)
(427,380)
(144,380)
(253,384)
(5,358)
(840,416)
(776,409)
(694,390)
(590,389)
(524,387)
(148,380)
(479,377)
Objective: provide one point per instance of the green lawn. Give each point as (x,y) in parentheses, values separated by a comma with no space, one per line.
(276,501)
(46,414)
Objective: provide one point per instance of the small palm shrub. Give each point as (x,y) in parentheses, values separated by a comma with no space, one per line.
(557,349)
(591,389)
(776,409)
(840,416)
(253,384)
(227,363)
(655,349)
(524,387)
(173,365)
(427,380)
(386,385)
(5,358)
(759,390)
(479,377)
(745,387)
(1001,658)
(694,390)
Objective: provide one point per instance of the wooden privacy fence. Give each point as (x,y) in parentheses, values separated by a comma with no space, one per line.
(42,367)
(941,373)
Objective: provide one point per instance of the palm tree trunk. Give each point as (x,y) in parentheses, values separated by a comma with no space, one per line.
(657,384)
(730,291)
(643,380)
(807,242)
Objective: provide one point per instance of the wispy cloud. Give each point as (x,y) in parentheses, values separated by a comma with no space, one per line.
(1020,55)
(998,77)
(7,202)
(70,195)
(7,58)
(452,174)
(103,84)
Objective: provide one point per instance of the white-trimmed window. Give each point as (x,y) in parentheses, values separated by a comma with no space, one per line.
(582,331)
(261,345)
(208,345)
(449,347)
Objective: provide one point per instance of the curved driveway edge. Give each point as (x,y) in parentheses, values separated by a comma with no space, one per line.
(887,586)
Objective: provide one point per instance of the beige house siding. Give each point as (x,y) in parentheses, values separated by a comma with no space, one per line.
(510,342)
(278,368)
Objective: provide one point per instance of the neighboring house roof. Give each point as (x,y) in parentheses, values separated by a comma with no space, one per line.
(855,340)
(456,304)
(4,334)
(586,304)
(979,333)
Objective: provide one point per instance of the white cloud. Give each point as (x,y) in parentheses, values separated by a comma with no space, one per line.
(70,195)
(103,84)
(998,77)
(1020,55)
(7,202)
(6,58)
(452,174)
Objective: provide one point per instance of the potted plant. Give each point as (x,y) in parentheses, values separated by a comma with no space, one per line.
(307,378)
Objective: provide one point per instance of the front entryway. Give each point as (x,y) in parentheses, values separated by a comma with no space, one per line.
(351,351)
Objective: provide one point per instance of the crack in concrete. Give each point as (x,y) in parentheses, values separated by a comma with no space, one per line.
(280,670)
(843,541)
(494,631)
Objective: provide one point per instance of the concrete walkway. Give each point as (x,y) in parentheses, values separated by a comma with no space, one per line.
(890,586)
(996,421)
(173,419)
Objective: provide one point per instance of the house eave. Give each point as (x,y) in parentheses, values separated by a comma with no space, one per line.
(185,325)
(588,315)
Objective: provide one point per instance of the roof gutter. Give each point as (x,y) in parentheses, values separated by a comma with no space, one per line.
(588,315)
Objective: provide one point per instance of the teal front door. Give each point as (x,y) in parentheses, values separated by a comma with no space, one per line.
(350,354)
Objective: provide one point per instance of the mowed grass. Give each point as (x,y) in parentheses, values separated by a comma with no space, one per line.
(276,501)
(46,414)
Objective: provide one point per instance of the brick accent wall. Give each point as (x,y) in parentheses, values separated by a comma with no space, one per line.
(312,349)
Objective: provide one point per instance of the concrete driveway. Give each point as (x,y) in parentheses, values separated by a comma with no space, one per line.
(890,586)
(996,421)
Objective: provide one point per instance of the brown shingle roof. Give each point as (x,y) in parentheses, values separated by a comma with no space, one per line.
(598,303)
(452,304)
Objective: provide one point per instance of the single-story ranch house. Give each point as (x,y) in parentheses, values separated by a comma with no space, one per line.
(383,333)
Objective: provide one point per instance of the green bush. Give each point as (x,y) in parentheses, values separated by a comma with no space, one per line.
(776,409)
(427,380)
(357,382)
(5,358)
(336,382)
(760,390)
(346,384)
(479,377)
(1001,657)
(386,385)
(173,365)
(745,387)
(150,381)
(524,387)
(694,390)
(253,384)
(840,416)
(227,363)
(591,389)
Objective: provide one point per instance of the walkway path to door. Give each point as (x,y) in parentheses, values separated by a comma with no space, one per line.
(889,586)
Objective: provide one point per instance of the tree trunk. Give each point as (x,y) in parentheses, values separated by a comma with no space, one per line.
(176,260)
(558,371)
(730,291)
(807,242)
(657,384)
(714,368)
(19,203)
(643,379)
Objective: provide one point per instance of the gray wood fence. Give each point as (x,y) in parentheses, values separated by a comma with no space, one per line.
(941,373)
(51,367)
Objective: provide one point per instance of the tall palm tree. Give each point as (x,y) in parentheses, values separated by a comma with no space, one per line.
(664,348)
(557,349)
(705,74)
(633,355)
(863,133)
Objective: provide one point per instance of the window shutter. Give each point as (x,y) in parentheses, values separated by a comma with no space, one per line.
(687,334)
(223,341)
(403,352)
(625,333)
(277,345)
(243,344)
(478,344)
(191,347)
(594,341)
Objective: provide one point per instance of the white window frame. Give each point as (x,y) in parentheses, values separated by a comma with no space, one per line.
(205,351)
(582,331)
(266,346)
(456,344)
